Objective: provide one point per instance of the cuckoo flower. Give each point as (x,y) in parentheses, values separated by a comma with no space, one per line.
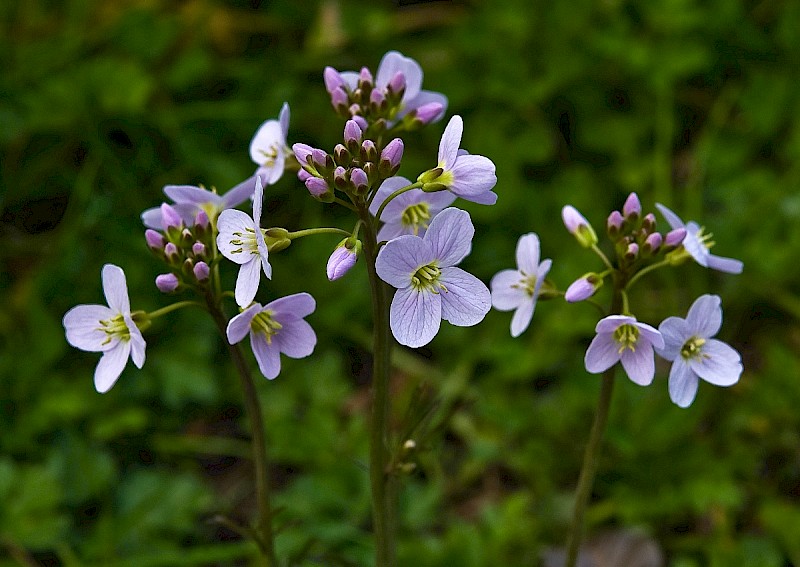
(268,148)
(410,212)
(697,244)
(275,328)
(240,240)
(621,338)
(189,201)
(467,176)
(429,286)
(519,289)
(110,330)
(694,354)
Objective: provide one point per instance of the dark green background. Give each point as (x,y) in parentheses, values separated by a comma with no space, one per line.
(693,104)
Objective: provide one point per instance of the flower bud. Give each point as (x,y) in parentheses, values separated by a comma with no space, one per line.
(342,155)
(365,79)
(632,252)
(186,236)
(352,135)
(652,243)
(430,112)
(316,186)
(201,219)
(155,240)
(340,178)
(649,223)
(302,175)
(201,271)
(390,157)
(361,121)
(277,239)
(359,180)
(343,258)
(333,80)
(170,217)
(583,288)
(339,100)
(377,99)
(674,238)
(632,207)
(397,84)
(614,224)
(578,226)
(171,252)
(167,283)
(319,158)
(302,152)
(368,151)
(198,249)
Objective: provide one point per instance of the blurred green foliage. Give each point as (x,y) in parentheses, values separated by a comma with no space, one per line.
(693,104)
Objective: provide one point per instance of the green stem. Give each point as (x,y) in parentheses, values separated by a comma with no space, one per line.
(265,536)
(591,455)
(170,308)
(400,191)
(644,271)
(382,481)
(311,231)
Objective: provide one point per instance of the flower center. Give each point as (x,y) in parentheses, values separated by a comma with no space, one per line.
(270,154)
(626,336)
(116,327)
(416,216)
(693,348)
(245,241)
(526,284)
(264,323)
(705,238)
(427,278)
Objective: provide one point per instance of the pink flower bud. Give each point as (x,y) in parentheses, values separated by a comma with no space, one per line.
(397,83)
(170,217)
(674,238)
(316,186)
(342,259)
(614,223)
(201,271)
(339,98)
(632,207)
(154,239)
(167,283)
(201,219)
(333,80)
(652,243)
(391,156)
(352,133)
(198,248)
(302,153)
(582,288)
(171,251)
(578,226)
(365,76)
(359,180)
(430,112)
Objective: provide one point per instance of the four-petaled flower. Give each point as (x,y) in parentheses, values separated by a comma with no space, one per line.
(268,148)
(621,338)
(240,240)
(410,212)
(468,176)
(429,286)
(275,328)
(697,244)
(190,200)
(694,354)
(519,289)
(110,330)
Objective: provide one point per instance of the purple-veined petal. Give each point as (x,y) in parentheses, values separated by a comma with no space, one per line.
(239,326)
(191,195)
(650,334)
(448,146)
(393,62)
(719,364)
(527,253)
(473,175)
(115,288)
(639,364)
(602,354)
(401,258)
(83,329)
(723,264)
(415,316)
(390,231)
(673,220)
(297,306)
(612,322)
(465,299)
(239,194)
(283,118)
(247,282)
(296,339)
(522,317)
(450,236)
(705,317)
(506,293)
(267,355)
(110,366)
(136,339)
(682,384)
(675,333)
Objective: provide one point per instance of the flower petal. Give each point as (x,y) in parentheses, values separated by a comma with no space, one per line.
(191,195)
(239,326)
(258,200)
(247,282)
(267,355)
(682,384)
(230,222)
(612,322)
(296,339)
(448,146)
(268,139)
(415,316)
(283,118)
(110,366)
(450,236)
(400,258)
(639,364)
(673,219)
(727,265)
(705,317)
(83,329)
(650,334)
(115,288)
(386,188)
(295,306)
(465,300)
(390,231)
(151,218)
(487,198)
(602,354)
(472,176)
(528,253)
(675,332)
(719,364)
(137,342)
(522,317)
(393,62)
(506,295)
(423,98)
